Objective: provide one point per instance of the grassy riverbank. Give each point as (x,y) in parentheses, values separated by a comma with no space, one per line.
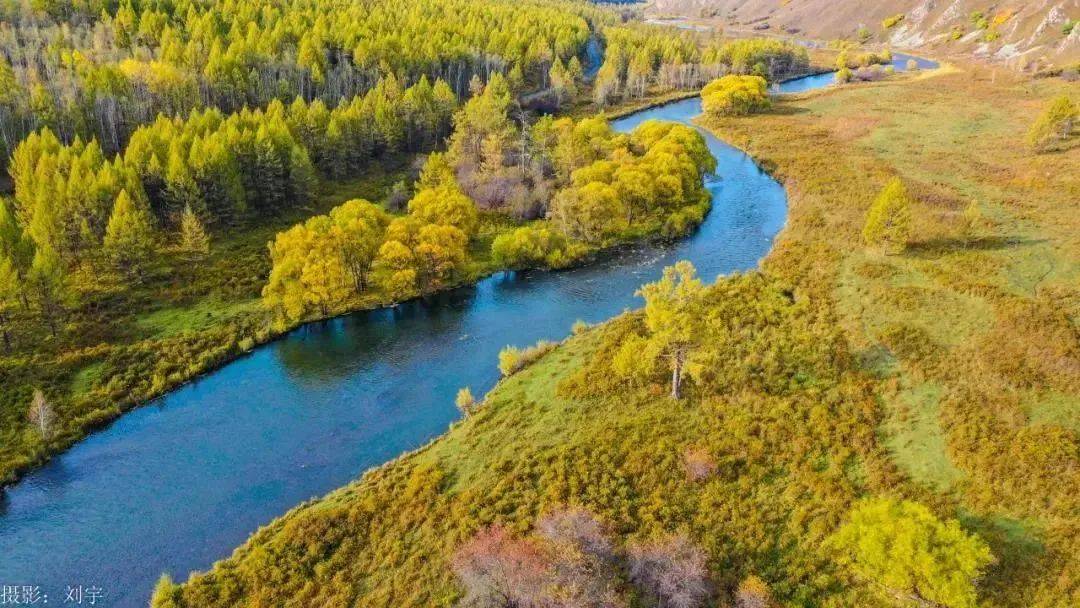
(123,343)
(954,382)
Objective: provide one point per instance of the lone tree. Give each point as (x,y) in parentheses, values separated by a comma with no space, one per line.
(914,556)
(888,224)
(41,414)
(1054,125)
(735,96)
(465,401)
(674,316)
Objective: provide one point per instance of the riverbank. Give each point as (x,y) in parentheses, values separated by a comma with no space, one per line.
(175,327)
(313,410)
(916,324)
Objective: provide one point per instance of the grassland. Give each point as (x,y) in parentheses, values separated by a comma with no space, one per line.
(955,383)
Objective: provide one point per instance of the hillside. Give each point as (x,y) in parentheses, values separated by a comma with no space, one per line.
(947,374)
(1019,33)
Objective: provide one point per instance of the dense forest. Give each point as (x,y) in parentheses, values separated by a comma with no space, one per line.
(101,69)
(595,188)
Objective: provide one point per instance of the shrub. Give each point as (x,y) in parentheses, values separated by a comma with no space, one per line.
(699,464)
(513,359)
(1054,125)
(672,571)
(465,401)
(891,22)
(530,247)
(735,96)
(497,569)
(577,529)
(753,593)
(683,221)
(398,197)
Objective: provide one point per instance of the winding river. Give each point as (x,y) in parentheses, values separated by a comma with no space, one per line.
(175,485)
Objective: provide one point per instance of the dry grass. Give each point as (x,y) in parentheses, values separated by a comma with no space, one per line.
(975,340)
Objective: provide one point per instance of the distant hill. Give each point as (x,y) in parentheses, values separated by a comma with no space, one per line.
(1023,33)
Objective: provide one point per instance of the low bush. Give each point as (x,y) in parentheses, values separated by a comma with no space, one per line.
(513,359)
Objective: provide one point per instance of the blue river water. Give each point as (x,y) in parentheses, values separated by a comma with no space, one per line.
(817,81)
(177,484)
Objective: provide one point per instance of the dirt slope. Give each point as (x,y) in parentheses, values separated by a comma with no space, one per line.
(1021,33)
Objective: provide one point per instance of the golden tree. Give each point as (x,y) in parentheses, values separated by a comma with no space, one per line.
(888,224)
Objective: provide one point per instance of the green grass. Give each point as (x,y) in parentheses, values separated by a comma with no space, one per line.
(973,341)
(1054,408)
(203,315)
(931,330)
(547,419)
(86,378)
(914,437)
(787,467)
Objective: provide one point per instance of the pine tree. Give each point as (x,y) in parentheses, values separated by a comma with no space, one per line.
(180,188)
(9,294)
(888,224)
(14,242)
(129,237)
(46,281)
(194,241)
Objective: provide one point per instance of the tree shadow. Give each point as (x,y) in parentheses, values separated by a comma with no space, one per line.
(1060,146)
(787,109)
(937,247)
(1018,548)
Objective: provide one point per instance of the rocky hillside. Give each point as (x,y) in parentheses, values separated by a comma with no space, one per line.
(1022,33)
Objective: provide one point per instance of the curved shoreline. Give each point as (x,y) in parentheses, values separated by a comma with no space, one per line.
(315,341)
(15,476)
(301,416)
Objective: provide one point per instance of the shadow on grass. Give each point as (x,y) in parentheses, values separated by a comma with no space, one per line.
(787,109)
(1060,146)
(934,248)
(1018,547)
